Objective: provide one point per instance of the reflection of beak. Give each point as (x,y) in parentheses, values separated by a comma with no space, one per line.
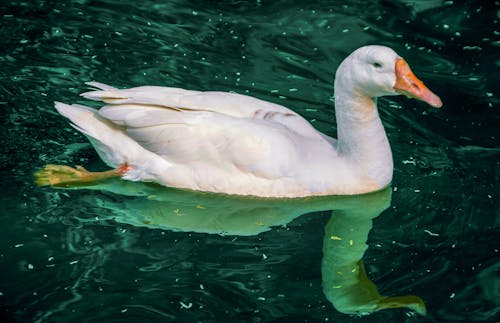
(408,84)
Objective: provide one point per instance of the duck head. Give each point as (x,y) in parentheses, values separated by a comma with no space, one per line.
(378,70)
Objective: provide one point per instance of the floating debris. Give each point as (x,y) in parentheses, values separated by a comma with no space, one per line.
(472,48)
(186,306)
(431,233)
(409,161)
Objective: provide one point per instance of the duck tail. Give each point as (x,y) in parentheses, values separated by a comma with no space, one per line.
(105,93)
(101,133)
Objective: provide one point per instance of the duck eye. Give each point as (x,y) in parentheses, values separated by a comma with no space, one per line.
(377,64)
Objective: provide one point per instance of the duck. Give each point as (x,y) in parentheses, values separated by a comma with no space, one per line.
(224,142)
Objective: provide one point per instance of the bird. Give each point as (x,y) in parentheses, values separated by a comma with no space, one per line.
(224,142)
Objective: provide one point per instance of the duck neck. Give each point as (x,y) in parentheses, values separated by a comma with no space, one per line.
(361,135)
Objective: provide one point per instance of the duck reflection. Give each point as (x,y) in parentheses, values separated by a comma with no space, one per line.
(345,282)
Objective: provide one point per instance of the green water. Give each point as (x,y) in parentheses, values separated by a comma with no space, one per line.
(99,256)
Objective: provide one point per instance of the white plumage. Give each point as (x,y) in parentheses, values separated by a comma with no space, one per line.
(236,144)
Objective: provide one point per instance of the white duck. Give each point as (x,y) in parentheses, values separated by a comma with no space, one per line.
(235,144)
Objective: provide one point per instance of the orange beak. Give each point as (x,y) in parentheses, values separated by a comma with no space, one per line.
(408,84)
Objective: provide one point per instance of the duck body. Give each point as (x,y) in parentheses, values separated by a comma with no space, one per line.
(235,144)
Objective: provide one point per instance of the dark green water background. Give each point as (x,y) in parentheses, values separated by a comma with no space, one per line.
(63,259)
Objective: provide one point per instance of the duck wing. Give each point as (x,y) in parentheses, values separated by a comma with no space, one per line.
(213,129)
(230,104)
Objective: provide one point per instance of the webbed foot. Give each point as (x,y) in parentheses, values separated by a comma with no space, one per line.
(66,176)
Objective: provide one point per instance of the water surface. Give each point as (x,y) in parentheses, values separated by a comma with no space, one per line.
(65,256)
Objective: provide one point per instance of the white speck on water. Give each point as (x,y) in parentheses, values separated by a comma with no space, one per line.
(30,266)
(202,287)
(186,306)
(416,191)
(409,161)
(345,30)
(50,258)
(452,295)
(395,105)
(195,13)
(124,310)
(118,33)
(261,298)
(431,233)
(445,26)
(472,48)
(18,245)
(293,90)
(264,256)
(73,262)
